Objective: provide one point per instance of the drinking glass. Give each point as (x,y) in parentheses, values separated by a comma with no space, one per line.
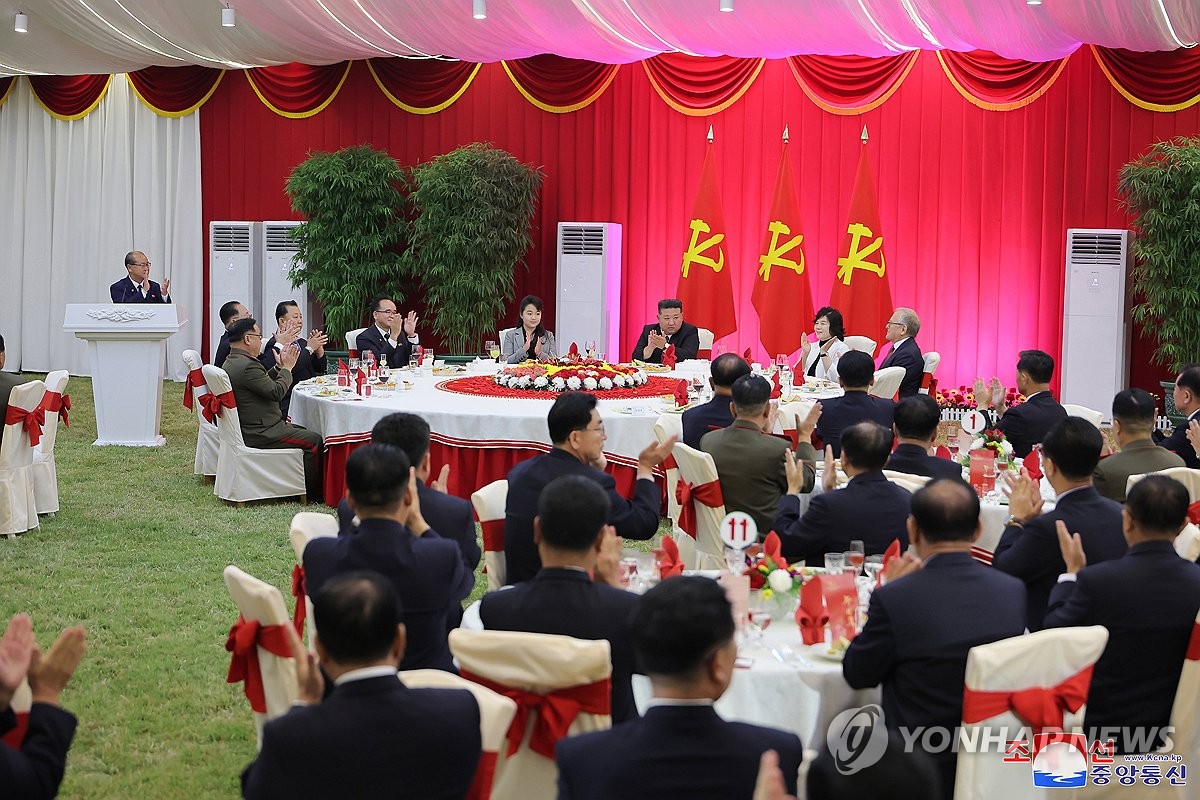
(493,350)
(989,479)
(412,361)
(353,365)
(835,563)
(873,565)
(629,571)
(856,556)
(780,360)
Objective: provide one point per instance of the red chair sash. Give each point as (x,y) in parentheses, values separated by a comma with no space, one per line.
(1193,651)
(1041,706)
(669,462)
(298,592)
(555,710)
(58,403)
(32,421)
(493,535)
(485,775)
(1194,513)
(195,379)
(212,403)
(689,494)
(704,353)
(245,637)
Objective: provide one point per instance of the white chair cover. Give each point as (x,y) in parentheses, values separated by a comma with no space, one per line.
(666,426)
(306,526)
(352,343)
(1184,718)
(1187,543)
(208,441)
(1188,477)
(907,480)
(539,663)
(44,469)
(1043,659)
(244,473)
(698,468)
(706,343)
(864,344)
(1094,417)
(489,503)
(18,502)
(262,603)
(887,382)
(932,360)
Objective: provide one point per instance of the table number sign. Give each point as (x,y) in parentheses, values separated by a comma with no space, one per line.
(738,530)
(974,422)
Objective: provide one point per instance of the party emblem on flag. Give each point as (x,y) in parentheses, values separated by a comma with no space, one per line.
(693,253)
(858,255)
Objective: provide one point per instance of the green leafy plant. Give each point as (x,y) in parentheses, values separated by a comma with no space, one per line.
(348,247)
(1161,188)
(474,211)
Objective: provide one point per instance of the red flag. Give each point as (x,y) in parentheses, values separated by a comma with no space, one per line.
(781,293)
(705,286)
(860,288)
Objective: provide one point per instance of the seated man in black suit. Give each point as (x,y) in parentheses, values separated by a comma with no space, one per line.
(230,313)
(7,381)
(1148,600)
(670,329)
(716,413)
(1187,400)
(577,433)
(428,573)
(311,360)
(1028,549)
(870,507)
(933,608)
(372,737)
(901,331)
(681,748)
(856,373)
(136,287)
(574,541)
(389,335)
(36,769)
(1133,412)
(1026,424)
(916,422)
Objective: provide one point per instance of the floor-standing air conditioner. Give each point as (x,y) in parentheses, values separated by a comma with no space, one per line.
(232,267)
(278,252)
(589,287)
(1095,318)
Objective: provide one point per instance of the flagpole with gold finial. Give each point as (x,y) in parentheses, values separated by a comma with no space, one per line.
(864,135)
(710,134)
(785,134)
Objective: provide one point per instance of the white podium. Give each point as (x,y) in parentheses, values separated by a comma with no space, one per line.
(125,348)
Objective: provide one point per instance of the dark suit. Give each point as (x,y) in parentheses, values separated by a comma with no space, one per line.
(673,753)
(633,519)
(371,339)
(907,354)
(7,381)
(686,341)
(568,603)
(713,415)
(1027,424)
(307,366)
(1136,458)
(915,460)
(222,351)
(869,507)
(1148,600)
(918,632)
(1178,442)
(1032,554)
(427,573)
(839,413)
(371,738)
(126,291)
(36,770)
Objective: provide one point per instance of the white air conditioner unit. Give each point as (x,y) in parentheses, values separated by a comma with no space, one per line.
(278,253)
(1095,351)
(233,264)
(588,295)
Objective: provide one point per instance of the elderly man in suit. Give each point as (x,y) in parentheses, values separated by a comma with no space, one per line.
(749,459)
(934,607)
(901,331)
(915,423)
(575,543)
(683,634)
(7,381)
(716,413)
(1148,600)
(258,392)
(869,508)
(310,361)
(1133,411)
(1187,399)
(856,373)
(372,736)
(230,313)
(1028,548)
(389,336)
(1026,424)
(136,286)
(669,330)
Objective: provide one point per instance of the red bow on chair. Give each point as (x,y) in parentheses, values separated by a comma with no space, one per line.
(689,494)
(301,612)
(212,404)
(1194,513)
(555,711)
(1193,650)
(58,403)
(195,380)
(1040,707)
(245,637)
(32,421)
(493,535)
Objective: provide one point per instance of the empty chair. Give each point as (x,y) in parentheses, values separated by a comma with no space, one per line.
(352,343)
(928,383)
(702,506)
(208,441)
(44,470)
(887,382)
(18,503)
(666,426)
(1185,475)
(706,343)
(863,343)
(306,526)
(1187,543)
(1094,417)
(489,503)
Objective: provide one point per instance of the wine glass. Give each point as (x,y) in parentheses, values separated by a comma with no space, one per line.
(493,350)
(873,565)
(856,555)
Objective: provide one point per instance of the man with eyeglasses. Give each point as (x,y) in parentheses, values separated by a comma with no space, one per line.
(389,335)
(258,391)
(137,286)
(901,331)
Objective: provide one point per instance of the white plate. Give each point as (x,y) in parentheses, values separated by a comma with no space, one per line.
(823,652)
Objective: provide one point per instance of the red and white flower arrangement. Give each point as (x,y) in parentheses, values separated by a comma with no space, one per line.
(570,373)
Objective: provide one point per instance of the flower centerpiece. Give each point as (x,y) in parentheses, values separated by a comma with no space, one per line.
(776,582)
(571,372)
(993,439)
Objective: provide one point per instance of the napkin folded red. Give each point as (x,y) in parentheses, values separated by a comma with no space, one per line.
(1033,465)
(669,358)
(1194,513)
(343,373)
(811,616)
(574,349)
(681,396)
(893,551)
(776,386)
(942,451)
(671,564)
(420,354)
(772,548)
(746,355)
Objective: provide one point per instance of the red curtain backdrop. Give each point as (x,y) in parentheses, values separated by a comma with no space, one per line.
(975,203)
(69,96)
(175,91)
(850,84)
(999,84)
(1154,81)
(423,86)
(298,90)
(701,86)
(557,84)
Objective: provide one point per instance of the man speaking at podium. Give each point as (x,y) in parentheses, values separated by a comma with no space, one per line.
(137,287)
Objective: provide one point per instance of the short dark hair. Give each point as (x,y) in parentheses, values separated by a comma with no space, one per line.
(1037,364)
(407,431)
(917,417)
(1189,378)
(237,330)
(679,624)
(572,512)
(356,614)
(1074,445)
(899,774)
(946,510)
(572,411)
(1,344)
(837,326)
(670,302)
(379,299)
(1135,409)
(867,445)
(856,369)
(727,368)
(228,311)
(377,476)
(751,394)
(281,309)
(1158,505)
